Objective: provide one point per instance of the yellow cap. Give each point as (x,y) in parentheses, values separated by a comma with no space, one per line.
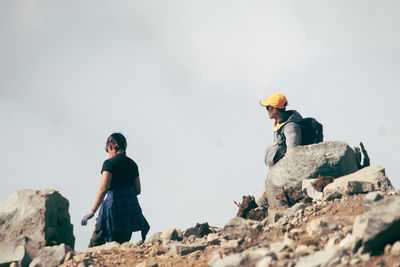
(275,100)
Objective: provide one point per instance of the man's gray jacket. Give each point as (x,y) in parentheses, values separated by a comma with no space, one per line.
(286,138)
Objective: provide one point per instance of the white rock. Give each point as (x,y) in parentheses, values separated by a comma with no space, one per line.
(288,242)
(228,244)
(256,254)
(328,257)
(215,256)
(265,262)
(277,246)
(311,192)
(232,260)
(348,243)
(106,246)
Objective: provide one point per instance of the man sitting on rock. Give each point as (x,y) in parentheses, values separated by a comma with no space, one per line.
(287,130)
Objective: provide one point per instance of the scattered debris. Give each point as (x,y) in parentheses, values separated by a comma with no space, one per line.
(290,196)
(322,181)
(203,228)
(249,209)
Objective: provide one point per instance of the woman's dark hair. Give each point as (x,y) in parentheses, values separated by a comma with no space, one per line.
(118,141)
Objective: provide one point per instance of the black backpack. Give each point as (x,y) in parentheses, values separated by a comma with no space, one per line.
(311,131)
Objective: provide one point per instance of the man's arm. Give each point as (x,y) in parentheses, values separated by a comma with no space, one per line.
(292,132)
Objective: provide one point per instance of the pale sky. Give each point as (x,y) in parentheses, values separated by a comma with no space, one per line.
(182,80)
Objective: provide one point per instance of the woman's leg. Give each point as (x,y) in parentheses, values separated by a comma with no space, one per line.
(97,237)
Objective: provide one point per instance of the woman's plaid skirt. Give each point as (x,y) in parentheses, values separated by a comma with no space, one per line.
(120,212)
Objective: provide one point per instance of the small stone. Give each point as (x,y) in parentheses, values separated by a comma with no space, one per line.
(148,263)
(345,260)
(354,261)
(170,234)
(332,195)
(296,232)
(277,247)
(365,257)
(69,256)
(396,249)
(289,243)
(158,250)
(274,215)
(387,249)
(155,237)
(191,239)
(372,196)
(303,250)
(349,243)
(229,244)
(283,255)
(307,185)
(213,239)
(290,212)
(264,262)
(191,231)
(347,229)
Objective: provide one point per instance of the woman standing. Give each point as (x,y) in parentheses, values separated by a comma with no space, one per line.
(120,213)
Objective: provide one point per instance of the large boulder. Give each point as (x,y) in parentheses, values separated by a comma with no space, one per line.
(40,215)
(20,251)
(379,225)
(50,256)
(331,158)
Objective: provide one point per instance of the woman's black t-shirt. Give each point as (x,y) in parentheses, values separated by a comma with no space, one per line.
(124,171)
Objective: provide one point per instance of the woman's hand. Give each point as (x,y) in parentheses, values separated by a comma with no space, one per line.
(86,218)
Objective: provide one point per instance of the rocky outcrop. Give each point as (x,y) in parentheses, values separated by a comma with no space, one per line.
(379,225)
(20,251)
(334,159)
(50,256)
(40,215)
(366,180)
(321,233)
(35,229)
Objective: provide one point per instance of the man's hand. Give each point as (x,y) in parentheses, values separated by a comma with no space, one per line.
(86,218)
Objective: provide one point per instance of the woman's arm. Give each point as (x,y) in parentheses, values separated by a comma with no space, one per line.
(136,185)
(104,185)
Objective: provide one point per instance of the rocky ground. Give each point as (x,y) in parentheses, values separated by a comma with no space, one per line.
(320,233)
